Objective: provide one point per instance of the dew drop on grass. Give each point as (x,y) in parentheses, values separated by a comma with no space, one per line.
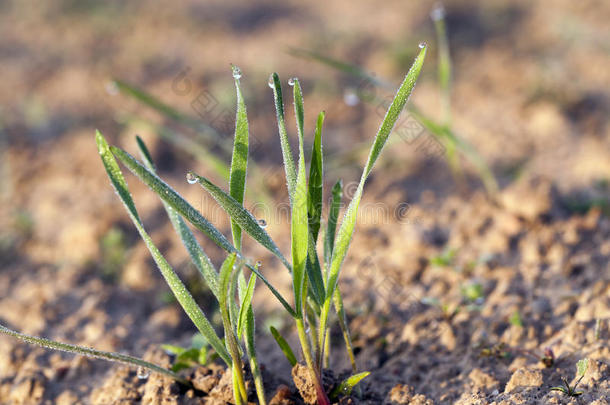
(438,12)
(350,98)
(258,264)
(143,373)
(190,178)
(112,88)
(262,223)
(422,45)
(236,72)
(291,81)
(271,82)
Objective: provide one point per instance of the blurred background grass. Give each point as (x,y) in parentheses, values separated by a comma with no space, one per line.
(530,91)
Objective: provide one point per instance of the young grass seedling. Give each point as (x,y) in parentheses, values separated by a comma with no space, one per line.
(570,390)
(441,129)
(314,282)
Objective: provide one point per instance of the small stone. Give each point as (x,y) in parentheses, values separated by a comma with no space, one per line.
(522,379)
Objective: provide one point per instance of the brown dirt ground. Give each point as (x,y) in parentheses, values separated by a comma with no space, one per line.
(530,91)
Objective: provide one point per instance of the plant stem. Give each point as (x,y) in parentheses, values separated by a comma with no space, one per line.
(315,375)
(98,354)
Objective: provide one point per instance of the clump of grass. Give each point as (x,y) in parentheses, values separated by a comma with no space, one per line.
(314,280)
(571,390)
(456,147)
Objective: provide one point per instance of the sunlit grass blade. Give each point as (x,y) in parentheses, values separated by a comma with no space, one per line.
(198,256)
(347,385)
(206,131)
(346,230)
(98,354)
(169,195)
(181,293)
(444,61)
(181,142)
(227,270)
(242,216)
(246,305)
(284,346)
(289,167)
(299,228)
(314,272)
(316,176)
(448,137)
(333,215)
(340,65)
(239,159)
(340,310)
(251,350)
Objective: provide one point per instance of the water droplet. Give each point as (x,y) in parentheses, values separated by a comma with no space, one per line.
(438,12)
(422,45)
(307,330)
(236,72)
(271,82)
(112,88)
(292,80)
(190,178)
(143,373)
(262,223)
(258,264)
(350,98)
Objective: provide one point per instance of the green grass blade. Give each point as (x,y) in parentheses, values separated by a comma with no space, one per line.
(316,176)
(239,159)
(284,346)
(251,350)
(289,167)
(339,65)
(206,131)
(181,293)
(198,256)
(299,229)
(314,272)
(444,61)
(89,352)
(182,142)
(170,196)
(346,230)
(333,215)
(167,194)
(347,385)
(340,310)
(246,305)
(242,216)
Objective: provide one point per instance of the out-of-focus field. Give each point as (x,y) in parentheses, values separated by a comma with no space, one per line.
(530,92)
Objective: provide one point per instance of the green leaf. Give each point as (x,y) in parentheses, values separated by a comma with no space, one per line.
(171,349)
(239,159)
(171,197)
(581,367)
(182,295)
(201,261)
(246,304)
(347,385)
(289,167)
(284,346)
(346,230)
(242,216)
(316,176)
(206,131)
(340,65)
(97,354)
(333,215)
(299,229)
